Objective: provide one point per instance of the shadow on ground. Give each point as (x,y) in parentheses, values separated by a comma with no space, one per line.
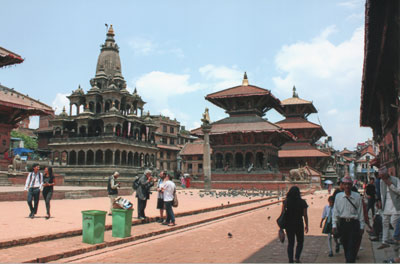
(276,252)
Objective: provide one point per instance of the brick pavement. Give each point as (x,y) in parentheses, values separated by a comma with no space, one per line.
(254,236)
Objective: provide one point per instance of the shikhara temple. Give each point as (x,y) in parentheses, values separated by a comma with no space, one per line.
(108,130)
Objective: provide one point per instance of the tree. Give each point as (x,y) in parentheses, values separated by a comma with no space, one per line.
(29,143)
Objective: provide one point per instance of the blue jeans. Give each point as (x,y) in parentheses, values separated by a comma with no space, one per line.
(33,193)
(170,212)
(396,234)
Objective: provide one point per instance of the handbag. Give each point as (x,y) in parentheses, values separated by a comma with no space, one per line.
(281,235)
(281,221)
(175,202)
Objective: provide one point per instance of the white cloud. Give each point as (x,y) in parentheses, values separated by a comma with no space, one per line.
(34,122)
(59,102)
(351,4)
(332,111)
(168,112)
(159,86)
(221,77)
(142,46)
(329,75)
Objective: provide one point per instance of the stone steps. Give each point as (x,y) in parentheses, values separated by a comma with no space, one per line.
(4,180)
(77,195)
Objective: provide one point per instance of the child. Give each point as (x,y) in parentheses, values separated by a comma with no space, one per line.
(327,216)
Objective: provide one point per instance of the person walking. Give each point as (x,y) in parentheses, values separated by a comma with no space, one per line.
(169,190)
(143,192)
(33,184)
(296,211)
(48,183)
(348,219)
(390,192)
(112,189)
(327,217)
(160,198)
(371,195)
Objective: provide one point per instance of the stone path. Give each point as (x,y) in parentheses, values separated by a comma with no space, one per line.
(197,238)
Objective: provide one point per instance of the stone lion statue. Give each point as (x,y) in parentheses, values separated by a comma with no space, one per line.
(17,162)
(298,174)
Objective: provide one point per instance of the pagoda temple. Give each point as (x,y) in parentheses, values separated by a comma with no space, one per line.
(245,145)
(301,152)
(110,134)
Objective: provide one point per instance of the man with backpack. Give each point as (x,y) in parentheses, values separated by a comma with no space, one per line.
(112,189)
(33,184)
(144,183)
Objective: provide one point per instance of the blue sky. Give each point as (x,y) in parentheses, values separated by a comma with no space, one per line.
(176,52)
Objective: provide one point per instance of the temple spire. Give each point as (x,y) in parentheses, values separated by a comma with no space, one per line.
(245,80)
(294,92)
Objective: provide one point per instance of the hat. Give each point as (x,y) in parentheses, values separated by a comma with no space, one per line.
(346,179)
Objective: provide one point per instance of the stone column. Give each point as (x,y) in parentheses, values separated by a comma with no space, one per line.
(104,157)
(206,128)
(113,158)
(70,109)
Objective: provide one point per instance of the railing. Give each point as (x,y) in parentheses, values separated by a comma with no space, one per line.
(102,139)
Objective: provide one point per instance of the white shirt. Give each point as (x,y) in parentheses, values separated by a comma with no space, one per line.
(326,211)
(389,207)
(160,185)
(34,180)
(343,208)
(169,188)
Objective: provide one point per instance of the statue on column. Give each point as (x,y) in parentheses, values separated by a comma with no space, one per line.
(206,118)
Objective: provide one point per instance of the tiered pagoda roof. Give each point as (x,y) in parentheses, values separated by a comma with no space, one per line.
(246,104)
(296,106)
(15,106)
(245,99)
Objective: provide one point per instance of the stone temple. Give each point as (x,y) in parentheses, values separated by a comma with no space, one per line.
(106,129)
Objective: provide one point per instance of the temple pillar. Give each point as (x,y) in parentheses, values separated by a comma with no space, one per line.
(70,109)
(206,128)
(113,158)
(104,157)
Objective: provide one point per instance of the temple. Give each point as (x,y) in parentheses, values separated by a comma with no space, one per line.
(106,129)
(245,145)
(303,151)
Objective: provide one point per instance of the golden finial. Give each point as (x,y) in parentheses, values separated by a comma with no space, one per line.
(110,31)
(245,80)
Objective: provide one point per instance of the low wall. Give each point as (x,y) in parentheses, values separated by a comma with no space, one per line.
(20,178)
(60,194)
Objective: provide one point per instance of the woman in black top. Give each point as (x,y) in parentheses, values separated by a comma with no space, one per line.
(296,210)
(48,183)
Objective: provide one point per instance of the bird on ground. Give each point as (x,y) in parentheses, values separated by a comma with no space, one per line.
(269,217)
(229,235)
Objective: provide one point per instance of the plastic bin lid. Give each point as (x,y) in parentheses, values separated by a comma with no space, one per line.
(94,212)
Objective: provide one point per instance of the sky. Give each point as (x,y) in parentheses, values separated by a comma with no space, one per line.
(177,52)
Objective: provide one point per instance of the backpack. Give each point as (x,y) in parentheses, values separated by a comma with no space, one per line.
(135,184)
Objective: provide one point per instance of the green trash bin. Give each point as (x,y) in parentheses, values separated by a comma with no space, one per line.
(121,222)
(93,226)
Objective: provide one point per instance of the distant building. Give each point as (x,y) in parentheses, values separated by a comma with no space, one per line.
(170,139)
(192,159)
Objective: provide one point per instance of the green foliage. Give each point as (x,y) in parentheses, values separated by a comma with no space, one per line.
(29,142)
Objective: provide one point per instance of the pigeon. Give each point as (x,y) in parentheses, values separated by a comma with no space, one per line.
(269,217)
(228,202)
(229,235)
